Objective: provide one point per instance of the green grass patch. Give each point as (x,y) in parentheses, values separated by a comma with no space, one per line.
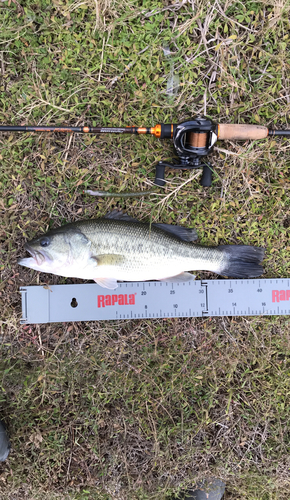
(140,410)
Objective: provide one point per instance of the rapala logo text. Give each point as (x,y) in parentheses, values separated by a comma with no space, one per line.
(279,295)
(122,299)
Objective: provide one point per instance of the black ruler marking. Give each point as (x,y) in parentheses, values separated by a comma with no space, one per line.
(219,298)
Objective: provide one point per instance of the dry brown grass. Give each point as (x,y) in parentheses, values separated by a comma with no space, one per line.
(137,410)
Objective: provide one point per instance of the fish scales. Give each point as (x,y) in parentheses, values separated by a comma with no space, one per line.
(109,249)
(138,242)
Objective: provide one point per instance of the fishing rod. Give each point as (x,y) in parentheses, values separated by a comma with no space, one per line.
(192,140)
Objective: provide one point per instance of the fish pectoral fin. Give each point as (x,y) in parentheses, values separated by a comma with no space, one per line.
(179,278)
(108,259)
(182,233)
(110,283)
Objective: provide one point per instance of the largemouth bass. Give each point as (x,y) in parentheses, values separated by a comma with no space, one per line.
(119,248)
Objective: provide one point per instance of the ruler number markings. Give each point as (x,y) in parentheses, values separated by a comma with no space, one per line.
(235,298)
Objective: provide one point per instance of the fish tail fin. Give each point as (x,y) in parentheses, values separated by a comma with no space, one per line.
(242,261)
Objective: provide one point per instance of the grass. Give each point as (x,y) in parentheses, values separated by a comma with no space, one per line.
(142,409)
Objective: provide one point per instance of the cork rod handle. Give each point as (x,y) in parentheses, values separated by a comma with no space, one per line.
(241,132)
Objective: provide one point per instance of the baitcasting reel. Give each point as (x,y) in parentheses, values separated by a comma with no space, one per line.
(192,140)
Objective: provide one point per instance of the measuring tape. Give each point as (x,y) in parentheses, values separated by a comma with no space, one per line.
(155,299)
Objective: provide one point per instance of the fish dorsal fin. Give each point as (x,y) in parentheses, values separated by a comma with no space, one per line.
(119,215)
(109,283)
(182,233)
(180,278)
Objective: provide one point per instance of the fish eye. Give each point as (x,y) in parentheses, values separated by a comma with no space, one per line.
(45,241)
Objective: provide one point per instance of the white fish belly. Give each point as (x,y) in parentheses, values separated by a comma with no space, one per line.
(152,270)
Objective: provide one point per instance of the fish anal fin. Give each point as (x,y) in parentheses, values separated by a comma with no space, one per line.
(110,283)
(180,278)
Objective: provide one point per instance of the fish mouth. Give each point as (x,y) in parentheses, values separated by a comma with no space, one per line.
(37,256)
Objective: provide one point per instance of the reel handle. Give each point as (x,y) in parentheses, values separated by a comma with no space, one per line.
(160,174)
(206,178)
(206,175)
